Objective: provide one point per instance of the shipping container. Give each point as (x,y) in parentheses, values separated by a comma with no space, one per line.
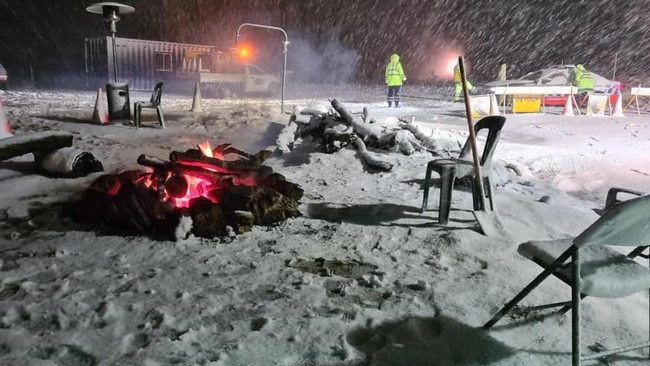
(142,63)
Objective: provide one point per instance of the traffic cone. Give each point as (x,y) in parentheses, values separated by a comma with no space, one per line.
(100,114)
(568,106)
(5,127)
(494,106)
(618,107)
(197,107)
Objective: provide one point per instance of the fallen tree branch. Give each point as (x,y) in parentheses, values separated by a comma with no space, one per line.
(365,131)
(410,126)
(370,161)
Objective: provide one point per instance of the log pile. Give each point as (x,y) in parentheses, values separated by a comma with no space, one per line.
(338,128)
(230,197)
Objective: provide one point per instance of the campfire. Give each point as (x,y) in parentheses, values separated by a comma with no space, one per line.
(210,192)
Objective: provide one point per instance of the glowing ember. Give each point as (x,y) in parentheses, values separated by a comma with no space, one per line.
(206,149)
(179,184)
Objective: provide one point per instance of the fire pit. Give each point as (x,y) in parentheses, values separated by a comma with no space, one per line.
(216,190)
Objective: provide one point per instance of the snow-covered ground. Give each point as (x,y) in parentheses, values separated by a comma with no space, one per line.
(400,290)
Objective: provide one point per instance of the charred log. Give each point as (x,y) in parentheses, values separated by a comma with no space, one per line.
(268,206)
(155,163)
(137,210)
(279,183)
(208,218)
(240,221)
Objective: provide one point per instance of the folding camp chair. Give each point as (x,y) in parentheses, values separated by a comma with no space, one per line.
(463,166)
(590,267)
(154,103)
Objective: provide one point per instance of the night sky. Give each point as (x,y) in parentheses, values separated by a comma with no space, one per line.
(348,40)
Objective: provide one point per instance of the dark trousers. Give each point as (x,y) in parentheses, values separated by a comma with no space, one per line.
(393,95)
(582,98)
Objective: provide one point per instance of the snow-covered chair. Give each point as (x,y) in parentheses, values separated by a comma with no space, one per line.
(591,267)
(463,166)
(154,103)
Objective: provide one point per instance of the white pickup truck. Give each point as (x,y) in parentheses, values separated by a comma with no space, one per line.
(246,79)
(3,77)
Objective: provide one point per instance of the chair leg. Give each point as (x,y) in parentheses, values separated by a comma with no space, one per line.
(138,115)
(427,183)
(530,287)
(161,119)
(520,296)
(478,198)
(447,178)
(575,309)
(489,189)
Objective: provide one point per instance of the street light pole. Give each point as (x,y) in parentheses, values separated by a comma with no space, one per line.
(285,49)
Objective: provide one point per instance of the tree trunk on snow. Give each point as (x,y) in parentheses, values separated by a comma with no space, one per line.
(39,142)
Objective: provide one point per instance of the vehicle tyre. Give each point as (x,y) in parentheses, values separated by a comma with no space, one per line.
(226,92)
(273,90)
(209,90)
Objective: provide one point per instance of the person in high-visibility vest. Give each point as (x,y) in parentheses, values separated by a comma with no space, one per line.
(395,77)
(458,84)
(584,82)
(502,73)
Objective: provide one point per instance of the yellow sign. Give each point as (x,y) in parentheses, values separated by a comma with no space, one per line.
(193,53)
(526,103)
(480,105)
(598,104)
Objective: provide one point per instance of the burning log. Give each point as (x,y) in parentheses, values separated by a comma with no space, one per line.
(212,163)
(38,142)
(154,162)
(160,165)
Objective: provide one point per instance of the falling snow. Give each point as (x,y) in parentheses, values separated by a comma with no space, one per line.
(363,278)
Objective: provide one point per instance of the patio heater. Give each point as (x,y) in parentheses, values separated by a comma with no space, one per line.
(110,12)
(117,94)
